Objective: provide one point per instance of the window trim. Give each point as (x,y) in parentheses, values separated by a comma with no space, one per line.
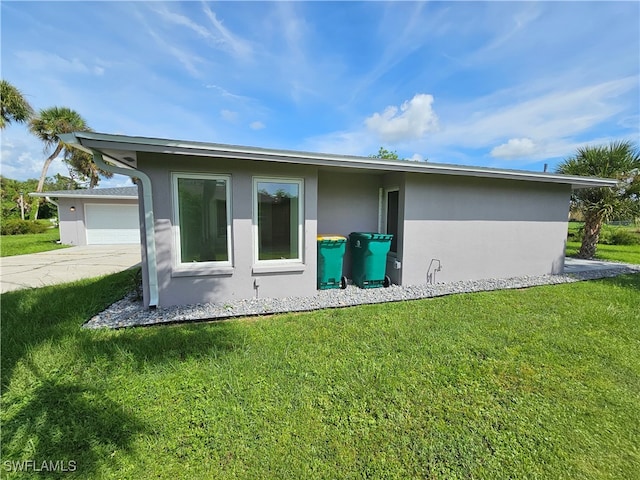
(254,221)
(209,267)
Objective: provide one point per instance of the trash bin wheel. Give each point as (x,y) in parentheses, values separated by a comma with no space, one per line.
(387,281)
(343,283)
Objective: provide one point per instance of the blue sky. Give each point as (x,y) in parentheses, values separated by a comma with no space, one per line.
(501,84)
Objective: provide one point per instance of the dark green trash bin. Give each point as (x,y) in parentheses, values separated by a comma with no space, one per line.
(369,259)
(331,250)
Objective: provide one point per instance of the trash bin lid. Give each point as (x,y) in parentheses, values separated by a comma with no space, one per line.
(371,235)
(331,237)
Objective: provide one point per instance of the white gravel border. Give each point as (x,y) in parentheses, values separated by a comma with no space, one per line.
(130,313)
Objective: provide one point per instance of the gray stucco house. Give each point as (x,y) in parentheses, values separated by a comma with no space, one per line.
(225,222)
(97,216)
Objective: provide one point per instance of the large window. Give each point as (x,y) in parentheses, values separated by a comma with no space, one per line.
(277,219)
(203,228)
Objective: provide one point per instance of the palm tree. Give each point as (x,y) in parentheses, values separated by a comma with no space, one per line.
(13,106)
(48,125)
(620,160)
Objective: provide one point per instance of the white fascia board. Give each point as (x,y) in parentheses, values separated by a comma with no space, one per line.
(99,141)
(68,195)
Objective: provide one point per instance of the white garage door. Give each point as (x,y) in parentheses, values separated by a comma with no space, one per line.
(112,224)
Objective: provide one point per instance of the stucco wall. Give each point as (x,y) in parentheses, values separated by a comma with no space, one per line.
(177,286)
(73,223)
(475,228)
(347,202)
(482,228)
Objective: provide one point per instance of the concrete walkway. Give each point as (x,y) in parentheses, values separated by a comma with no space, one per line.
(65,265)
(578,265)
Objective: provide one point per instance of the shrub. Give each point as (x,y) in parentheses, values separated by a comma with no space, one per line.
(609,235)
(624,237)
(16,226)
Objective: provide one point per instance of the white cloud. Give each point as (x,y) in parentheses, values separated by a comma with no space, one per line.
(23,158)
(515,148)
(221,36)
(402,31)
(37,60)
(412,121)
(227,94)
(519,24)
(416,157)
(559,113)
(186,58)
(237,45)
(257,125)
(178,19)
(229,115)
(516,125)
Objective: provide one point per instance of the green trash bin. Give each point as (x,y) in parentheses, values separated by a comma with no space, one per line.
(331,250)
(369,259)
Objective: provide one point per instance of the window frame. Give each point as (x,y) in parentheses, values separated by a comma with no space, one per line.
(177,260)
(254,222)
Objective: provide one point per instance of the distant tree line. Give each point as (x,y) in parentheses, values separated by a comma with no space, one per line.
(16,202)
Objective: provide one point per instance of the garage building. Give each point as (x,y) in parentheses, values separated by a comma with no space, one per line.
(98,216)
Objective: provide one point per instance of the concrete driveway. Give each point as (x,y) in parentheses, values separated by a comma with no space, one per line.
(65,265)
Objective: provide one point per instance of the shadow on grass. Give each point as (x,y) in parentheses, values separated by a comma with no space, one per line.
(49,314)
(56,314)
(62,421)
(50,413)
(143,347)
(47,415)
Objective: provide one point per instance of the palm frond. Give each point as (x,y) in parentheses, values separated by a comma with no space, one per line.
(13,106)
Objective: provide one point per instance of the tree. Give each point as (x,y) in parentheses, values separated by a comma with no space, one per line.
(389,155)
(15,199)
(81,164)
(60,182)
(13,106)
(620,160)
(48,125)
(384,153)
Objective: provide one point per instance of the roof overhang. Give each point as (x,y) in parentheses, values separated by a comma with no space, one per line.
(123,150)
(66,195)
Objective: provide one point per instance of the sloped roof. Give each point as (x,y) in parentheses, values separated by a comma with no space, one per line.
(122,150)
(114,193)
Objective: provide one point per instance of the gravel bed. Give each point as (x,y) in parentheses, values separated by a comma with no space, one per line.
(129,313)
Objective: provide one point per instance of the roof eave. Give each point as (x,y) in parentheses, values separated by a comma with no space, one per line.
(99,141)
(67,195)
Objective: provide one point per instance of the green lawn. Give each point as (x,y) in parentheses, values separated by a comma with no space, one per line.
(614,253)
(11,245)
(534,383)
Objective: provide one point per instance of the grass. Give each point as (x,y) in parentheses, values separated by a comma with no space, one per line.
(11,245)
(616,253)
(535,383)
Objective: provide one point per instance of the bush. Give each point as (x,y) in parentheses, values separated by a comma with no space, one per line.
(609,235)
(624,237)
(16,226)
